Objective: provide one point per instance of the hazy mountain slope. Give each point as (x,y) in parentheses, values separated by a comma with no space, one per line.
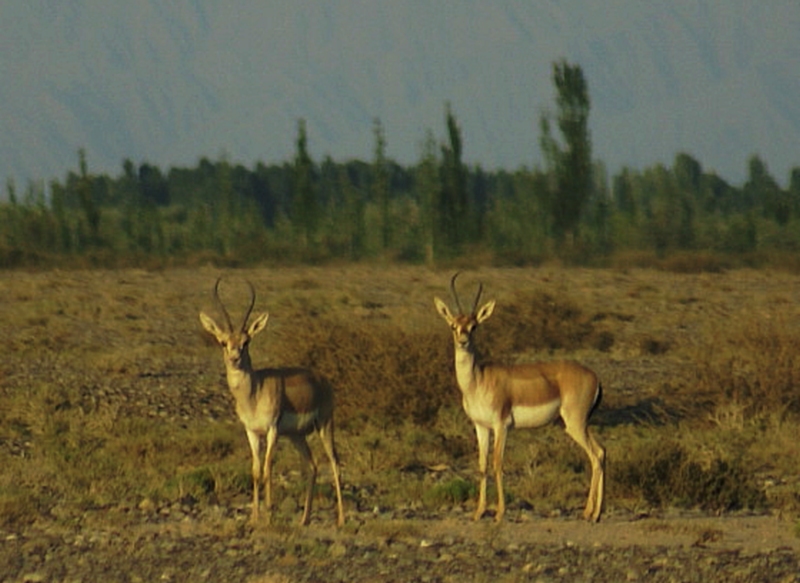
(171,82)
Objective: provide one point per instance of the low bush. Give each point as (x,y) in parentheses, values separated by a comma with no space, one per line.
(380,372)
(539,322)
(752,368)
(452,492)
(664,474)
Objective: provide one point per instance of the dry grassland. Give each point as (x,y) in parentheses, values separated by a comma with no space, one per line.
(112,398)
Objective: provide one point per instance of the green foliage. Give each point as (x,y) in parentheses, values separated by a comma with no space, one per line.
(455,220)
(381,184)
(452,492)
(427,178)
(305,209)
(570,163)
(438,210)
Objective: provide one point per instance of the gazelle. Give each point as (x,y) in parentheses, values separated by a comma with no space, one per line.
(274,401)
(497,398)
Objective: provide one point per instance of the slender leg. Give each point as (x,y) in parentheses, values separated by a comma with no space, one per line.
(326,435)
(500,434)
(596,453)
(255,449)
(310,469)
(598,478)
(483,453)
(272,439)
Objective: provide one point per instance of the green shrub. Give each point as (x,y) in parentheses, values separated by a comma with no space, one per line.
(455,491)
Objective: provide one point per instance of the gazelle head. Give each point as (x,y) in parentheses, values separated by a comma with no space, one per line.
(463,325)
(234,342)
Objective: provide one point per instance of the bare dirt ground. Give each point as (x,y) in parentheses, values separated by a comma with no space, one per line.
(404,546)
(186,541)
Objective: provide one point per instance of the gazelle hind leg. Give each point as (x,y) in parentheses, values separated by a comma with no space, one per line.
(598,480)
(326,435)
(300,443)
(596,454)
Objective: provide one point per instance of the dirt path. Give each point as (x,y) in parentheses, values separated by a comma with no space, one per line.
(747,534)
(399,546)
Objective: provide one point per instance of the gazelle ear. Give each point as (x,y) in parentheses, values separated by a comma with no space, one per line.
(258,324)
(443,310)
(485,311)
(211,326)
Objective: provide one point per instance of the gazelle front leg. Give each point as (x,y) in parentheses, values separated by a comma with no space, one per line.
(255,448)
(500,434)
(272,439)
(483,453)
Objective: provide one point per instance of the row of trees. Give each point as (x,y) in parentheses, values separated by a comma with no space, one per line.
(437,209)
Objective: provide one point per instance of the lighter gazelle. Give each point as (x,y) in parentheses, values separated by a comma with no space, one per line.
(497,398)
(274,401)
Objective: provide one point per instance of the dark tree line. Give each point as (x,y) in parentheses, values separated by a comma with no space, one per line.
(435,210)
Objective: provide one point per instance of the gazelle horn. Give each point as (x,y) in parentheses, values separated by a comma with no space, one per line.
(250,307)
(218,303)
(455,293)
(477,298)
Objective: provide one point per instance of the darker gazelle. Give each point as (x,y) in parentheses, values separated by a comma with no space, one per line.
(497,398)
(275,401)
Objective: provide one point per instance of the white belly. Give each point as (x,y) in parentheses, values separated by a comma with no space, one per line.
(536,416)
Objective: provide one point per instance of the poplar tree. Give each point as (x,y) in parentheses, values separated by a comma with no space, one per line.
(428,189)
(453,204)
(305,207)
(380,184)
(570,162)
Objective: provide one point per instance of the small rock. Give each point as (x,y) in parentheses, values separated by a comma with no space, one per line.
(147,505)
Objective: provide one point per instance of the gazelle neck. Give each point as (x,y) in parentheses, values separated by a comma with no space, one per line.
(465,367)
(240,375)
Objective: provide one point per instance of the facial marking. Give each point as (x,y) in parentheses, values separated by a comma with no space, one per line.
(234,346)
(463,326)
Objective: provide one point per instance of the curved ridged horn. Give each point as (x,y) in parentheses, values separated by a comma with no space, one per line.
(218,303)
(455,293)
(477,298)
(250,307)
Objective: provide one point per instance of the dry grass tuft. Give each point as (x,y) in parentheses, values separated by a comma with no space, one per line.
(750,373)
(539,322)
(664,474)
